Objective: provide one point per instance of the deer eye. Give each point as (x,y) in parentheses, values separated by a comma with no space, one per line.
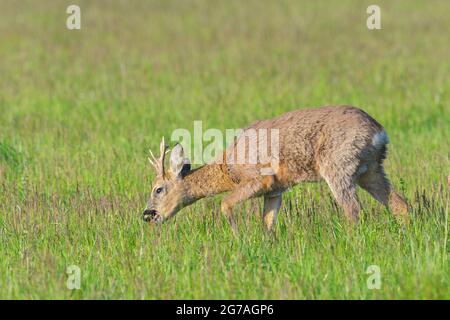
(158,190)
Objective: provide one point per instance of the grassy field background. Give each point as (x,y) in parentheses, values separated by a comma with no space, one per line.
(79,110)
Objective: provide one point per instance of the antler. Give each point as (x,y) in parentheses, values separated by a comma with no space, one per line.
(158,163)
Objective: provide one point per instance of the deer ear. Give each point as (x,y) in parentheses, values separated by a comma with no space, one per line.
(179,165)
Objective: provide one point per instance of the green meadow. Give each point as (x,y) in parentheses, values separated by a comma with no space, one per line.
(79,110)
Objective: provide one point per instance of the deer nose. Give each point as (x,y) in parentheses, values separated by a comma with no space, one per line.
(148,214)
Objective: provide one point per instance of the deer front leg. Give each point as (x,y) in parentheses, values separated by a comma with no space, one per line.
(241,193)
(272,204)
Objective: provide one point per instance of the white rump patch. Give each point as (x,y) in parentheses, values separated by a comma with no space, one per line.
(380,139)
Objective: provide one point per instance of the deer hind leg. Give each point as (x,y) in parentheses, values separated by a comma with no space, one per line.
(378,186)
(241,193)
(272,204)
(344,191)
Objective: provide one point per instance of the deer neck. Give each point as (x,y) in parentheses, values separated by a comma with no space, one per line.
(206,181)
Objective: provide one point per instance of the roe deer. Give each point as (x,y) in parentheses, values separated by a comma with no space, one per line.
(343,145)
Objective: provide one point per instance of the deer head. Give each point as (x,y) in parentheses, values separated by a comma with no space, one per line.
(168,194)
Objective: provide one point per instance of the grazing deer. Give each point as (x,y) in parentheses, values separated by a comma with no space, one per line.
(342,145)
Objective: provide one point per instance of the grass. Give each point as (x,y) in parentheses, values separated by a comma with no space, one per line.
(79,109)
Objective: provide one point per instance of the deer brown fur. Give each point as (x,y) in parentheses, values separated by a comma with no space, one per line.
(342,145)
